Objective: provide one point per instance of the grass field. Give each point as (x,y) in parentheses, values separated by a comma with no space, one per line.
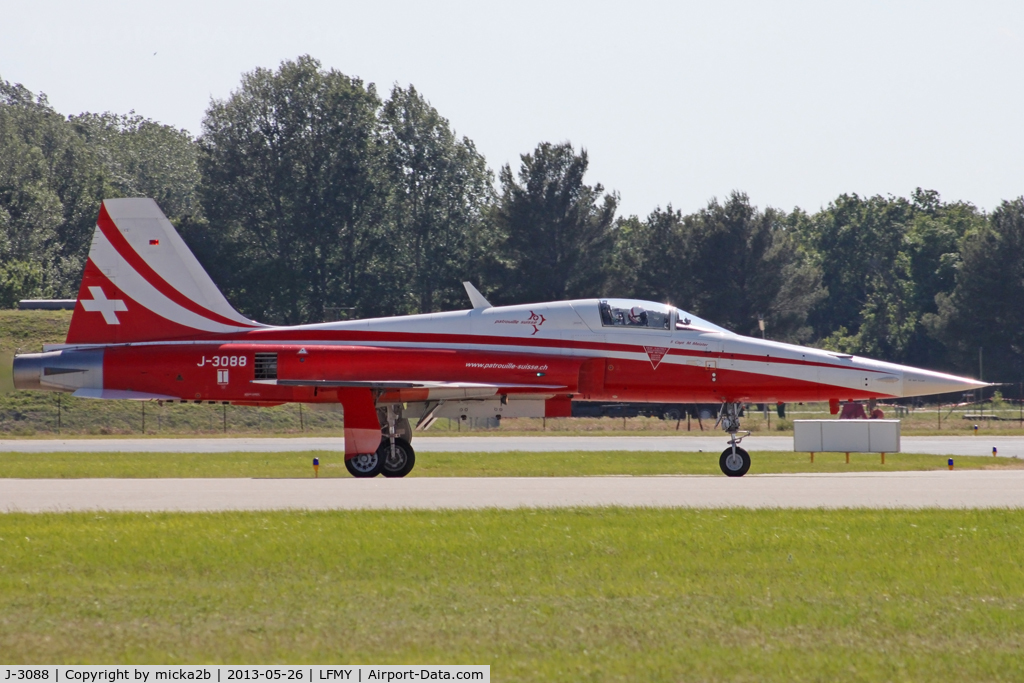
(510,464)
(606,595)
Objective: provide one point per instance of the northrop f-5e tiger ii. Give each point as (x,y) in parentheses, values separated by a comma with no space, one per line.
(149,324)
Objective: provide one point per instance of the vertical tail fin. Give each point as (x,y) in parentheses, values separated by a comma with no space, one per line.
(142,283)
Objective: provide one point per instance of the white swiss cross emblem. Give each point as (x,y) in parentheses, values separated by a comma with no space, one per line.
(99,303)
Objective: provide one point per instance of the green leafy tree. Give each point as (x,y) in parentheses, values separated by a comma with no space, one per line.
(143,158)
(984,310)
(743,264)
(650,257)
(55,171)
(557,230)
(885,260)
(730,263)
(47,180)
(293,188)
(440,188)
(19,280)
(933,247)
(857,243)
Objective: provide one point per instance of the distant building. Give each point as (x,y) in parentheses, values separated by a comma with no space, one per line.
(47,304)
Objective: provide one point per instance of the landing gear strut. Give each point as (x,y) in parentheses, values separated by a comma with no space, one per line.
(395,452)
(734,460)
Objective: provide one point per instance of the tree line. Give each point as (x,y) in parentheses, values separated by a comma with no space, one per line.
(310,196)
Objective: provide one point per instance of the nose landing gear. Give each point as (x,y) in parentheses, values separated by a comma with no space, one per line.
(734,460)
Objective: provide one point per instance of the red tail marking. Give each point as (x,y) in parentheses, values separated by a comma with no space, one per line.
(110,230)
(134,323)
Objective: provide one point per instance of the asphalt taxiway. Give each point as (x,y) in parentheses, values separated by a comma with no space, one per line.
(935,489)
(1008,446)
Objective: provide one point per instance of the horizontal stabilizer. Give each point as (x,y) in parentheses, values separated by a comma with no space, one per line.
(122,395)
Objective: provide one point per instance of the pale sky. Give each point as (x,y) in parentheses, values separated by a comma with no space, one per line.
(676,102)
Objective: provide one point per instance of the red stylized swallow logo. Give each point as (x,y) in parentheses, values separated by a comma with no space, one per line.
(536,320)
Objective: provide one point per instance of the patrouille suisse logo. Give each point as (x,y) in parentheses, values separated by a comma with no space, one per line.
(655,354)
(535,320)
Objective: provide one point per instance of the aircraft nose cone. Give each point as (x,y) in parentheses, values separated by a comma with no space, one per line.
(918,382)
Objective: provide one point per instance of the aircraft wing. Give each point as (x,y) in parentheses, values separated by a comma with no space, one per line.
(414,390)
(396,384)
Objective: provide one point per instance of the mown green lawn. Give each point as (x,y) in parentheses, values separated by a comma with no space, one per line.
(540,595)
(510,464)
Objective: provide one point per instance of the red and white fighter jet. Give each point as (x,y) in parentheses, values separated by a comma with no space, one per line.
(151,325)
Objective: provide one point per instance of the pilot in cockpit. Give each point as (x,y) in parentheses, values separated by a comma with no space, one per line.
(638,316)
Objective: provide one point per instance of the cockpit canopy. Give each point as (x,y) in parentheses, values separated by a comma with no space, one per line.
(646,315)
(635,314)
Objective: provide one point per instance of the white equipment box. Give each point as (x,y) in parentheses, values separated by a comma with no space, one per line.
(846,436)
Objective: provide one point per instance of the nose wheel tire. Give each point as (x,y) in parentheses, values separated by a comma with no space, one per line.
(365,465)
(734,464)
(399,463)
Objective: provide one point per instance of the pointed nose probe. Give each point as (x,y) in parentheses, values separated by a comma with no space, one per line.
(918,382)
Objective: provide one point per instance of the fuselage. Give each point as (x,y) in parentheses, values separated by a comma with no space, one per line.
(612,349)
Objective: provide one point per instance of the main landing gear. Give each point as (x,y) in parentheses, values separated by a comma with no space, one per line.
(734,460)
(394,458)
(395,451)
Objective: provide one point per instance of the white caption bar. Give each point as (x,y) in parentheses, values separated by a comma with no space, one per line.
(152,673)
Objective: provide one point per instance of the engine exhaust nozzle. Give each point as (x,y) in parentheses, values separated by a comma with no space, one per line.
(28,371)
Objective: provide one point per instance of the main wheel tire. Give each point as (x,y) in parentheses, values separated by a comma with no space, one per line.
(364,465)
(734,465)
(399,464)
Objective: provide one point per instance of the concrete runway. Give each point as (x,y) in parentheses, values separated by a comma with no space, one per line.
(1009,446)
(941,489)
